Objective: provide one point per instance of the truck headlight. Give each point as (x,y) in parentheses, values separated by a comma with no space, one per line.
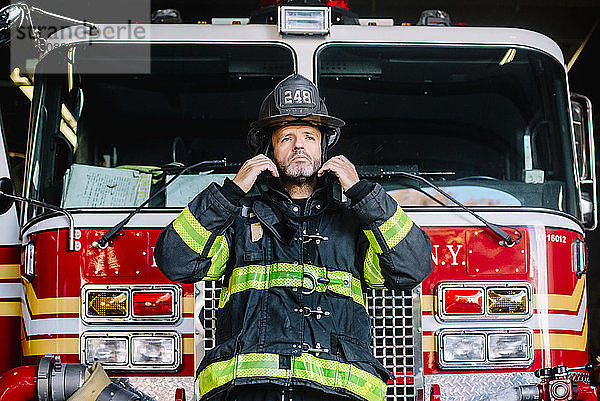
(133,351)
(153,350)
(463,348)
(485,349)
(508,347)
(106,350)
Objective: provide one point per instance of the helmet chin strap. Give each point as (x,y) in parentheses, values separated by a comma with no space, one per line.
(324,141)
(268,148)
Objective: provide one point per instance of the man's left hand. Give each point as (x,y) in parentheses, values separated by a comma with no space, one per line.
(343,169)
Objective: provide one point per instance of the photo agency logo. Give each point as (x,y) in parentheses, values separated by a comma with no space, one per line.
(82,37)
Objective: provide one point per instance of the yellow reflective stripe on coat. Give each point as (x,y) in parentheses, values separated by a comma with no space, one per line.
(395,229)
(262,277)
(308,367)
(191,231)
(372,271)
(219,253)
(196,237)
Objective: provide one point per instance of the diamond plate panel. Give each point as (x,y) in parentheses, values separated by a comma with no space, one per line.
(477,386)
(163,388)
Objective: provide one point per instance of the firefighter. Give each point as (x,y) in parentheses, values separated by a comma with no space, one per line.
(292,322)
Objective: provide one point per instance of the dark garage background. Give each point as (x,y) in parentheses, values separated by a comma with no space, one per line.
(571,23)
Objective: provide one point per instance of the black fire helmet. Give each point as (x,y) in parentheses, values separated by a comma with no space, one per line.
(294,100)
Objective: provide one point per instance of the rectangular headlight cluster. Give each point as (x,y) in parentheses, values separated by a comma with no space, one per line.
(130,303)
(510,301)
(472,349)
(132,351)
(297,20)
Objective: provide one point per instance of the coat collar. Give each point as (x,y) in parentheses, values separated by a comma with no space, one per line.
(278,213)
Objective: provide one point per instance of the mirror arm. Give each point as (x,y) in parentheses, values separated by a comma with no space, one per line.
(71,234)
(90,25)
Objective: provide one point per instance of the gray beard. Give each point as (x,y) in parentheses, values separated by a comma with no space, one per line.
(299,174)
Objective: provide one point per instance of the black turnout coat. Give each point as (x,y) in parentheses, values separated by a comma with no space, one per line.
(292,309)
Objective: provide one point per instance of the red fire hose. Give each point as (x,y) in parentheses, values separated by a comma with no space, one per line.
(19,384)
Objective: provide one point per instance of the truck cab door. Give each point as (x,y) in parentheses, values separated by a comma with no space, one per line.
(583,138)
(10,275)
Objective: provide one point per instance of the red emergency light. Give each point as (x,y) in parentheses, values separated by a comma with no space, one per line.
(332,3)
(156,303)
(461,301)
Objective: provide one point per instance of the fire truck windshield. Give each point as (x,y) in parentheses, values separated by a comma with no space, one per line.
(103,139)
(490,124)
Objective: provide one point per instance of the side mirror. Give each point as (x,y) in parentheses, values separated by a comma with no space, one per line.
(6,187)
(8,197)
(583,138)
(11,18)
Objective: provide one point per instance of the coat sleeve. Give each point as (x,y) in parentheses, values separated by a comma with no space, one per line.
(398,254)
(195,246)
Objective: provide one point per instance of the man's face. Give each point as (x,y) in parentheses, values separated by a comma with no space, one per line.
(297,151)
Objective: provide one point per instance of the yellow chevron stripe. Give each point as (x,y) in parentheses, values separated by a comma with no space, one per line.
(571,342)
(51,346)
(187,305)
(188,345)
(49,306)
(558,341)
(10,272)
(563,302)
(10,309)
(71,304)
(560,302)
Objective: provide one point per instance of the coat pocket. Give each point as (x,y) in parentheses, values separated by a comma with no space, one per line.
(359,354)
(221,352)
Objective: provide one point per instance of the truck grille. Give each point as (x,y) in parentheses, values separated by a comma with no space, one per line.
(392,331)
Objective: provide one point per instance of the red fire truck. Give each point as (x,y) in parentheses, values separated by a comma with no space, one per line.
(482,114)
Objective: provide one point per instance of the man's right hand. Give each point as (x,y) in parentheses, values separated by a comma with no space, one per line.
(251,169)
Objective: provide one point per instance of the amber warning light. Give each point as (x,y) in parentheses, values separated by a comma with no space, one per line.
(156,303)
(107,303)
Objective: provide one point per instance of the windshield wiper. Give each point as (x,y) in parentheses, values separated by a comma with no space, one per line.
(507,239)
(107,238)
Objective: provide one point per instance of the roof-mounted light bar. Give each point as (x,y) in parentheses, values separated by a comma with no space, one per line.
(295,20)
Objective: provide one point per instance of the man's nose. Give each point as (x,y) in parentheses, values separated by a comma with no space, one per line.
(299,143)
